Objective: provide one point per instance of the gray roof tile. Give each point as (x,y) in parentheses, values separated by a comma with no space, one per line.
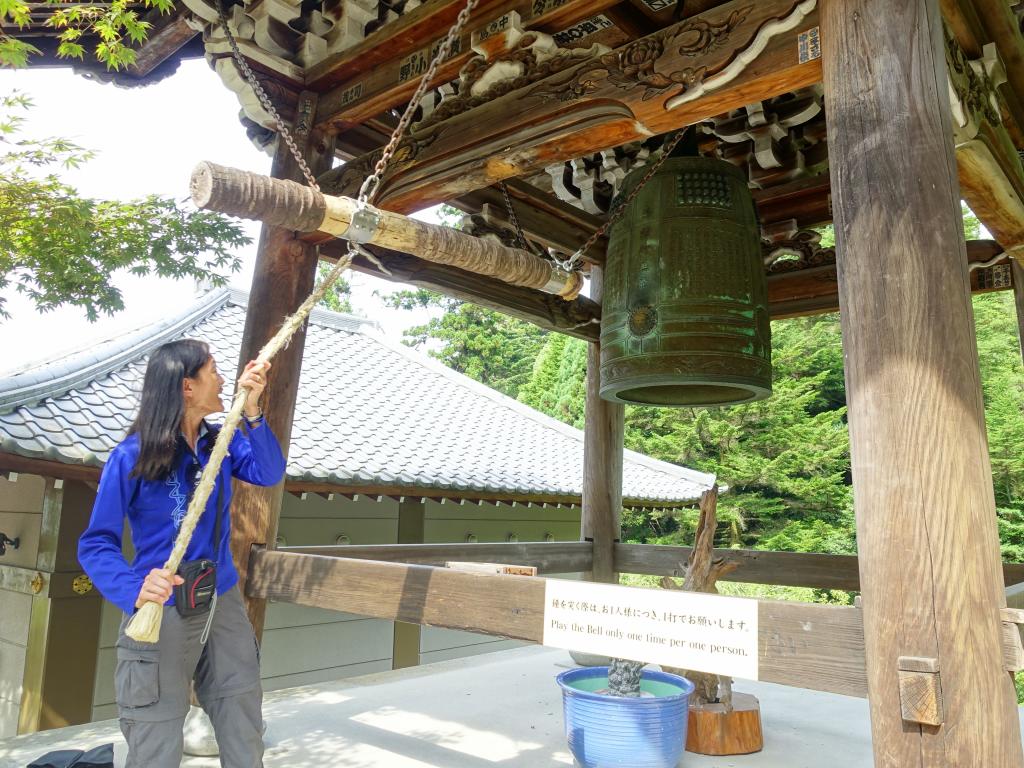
(368,411)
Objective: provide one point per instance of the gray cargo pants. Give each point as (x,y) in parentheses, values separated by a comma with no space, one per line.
(152,686)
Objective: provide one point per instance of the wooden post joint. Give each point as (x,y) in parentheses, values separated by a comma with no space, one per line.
(920,690)
(1013,640)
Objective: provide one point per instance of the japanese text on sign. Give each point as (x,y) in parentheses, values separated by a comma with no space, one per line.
(583,29)
(492,28)
(690,630)
(809,45)
(543,6)
(416,64)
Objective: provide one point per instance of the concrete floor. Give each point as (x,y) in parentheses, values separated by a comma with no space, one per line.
(499,710)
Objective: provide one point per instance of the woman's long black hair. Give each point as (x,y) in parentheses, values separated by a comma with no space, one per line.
(162,406)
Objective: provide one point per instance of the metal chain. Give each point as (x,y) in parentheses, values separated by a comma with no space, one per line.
(264,99)
(616,213)
(513,218)
(369,188)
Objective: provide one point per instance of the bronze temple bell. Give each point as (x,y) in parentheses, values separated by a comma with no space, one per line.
(685,305)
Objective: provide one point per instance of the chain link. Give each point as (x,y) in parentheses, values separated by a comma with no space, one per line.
(513,219)
(264,99)
(368,190)
(620,208)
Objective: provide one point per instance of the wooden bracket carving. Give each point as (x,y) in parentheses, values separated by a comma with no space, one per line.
(746,56)
(509,57)
(920,690)
(777,140)
(990,170)
(787,248)
(605,101)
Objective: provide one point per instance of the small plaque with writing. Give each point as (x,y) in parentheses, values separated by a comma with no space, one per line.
(691,630)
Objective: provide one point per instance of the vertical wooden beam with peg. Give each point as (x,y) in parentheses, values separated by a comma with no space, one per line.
(603,434)
(284,276)
(1018,299)
(922,482)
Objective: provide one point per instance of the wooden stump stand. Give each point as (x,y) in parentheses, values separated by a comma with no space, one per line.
(716,729)
(720,722)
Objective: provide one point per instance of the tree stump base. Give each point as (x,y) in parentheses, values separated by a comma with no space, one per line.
(713,731)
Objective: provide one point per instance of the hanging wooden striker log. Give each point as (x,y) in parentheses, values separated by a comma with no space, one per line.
(293,206)
(685,306)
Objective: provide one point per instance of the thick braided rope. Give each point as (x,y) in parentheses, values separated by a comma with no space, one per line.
(145,624)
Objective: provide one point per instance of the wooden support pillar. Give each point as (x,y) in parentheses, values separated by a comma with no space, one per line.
(926,523)
(1018,299)
(284,276)
(411,524)
(602,461)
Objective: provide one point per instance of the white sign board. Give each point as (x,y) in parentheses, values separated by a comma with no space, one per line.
(690,630)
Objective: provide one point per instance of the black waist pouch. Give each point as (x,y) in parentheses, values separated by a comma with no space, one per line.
(199,589)
(200,585)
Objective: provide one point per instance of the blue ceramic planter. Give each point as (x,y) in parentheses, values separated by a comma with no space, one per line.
(614,732)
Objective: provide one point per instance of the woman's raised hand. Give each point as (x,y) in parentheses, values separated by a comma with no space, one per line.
(254,377)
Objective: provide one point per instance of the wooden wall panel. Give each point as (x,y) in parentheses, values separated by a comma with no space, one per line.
(505,512)
(23,495)
(15,612)
(313,647)
(26,527)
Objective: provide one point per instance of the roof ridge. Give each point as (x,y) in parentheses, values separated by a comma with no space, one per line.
(550,422)
(342,321)
(63,374)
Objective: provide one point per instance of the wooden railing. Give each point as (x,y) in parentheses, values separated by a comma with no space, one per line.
(756,566)
(801,644)
(787,569)
(548,557)
(807,645)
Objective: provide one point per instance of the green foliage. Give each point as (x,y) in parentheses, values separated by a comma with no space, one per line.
(556,384)
(58,247)
(1002,381)
(339,297)
(488,346)
(785,460)
(113,29)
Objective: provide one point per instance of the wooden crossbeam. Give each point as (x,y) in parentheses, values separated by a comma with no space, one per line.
(543,217)
(548,557)
(579,317)
(167,35)
(813,646)
(384,70)
(788,569)
(418,594)
(816,290)
(790,294)
(647,87)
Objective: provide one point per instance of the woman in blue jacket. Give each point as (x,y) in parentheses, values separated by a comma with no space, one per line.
(149,479)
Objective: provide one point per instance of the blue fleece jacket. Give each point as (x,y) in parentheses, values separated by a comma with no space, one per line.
(155,510)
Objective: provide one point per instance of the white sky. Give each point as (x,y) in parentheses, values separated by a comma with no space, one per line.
(147,141)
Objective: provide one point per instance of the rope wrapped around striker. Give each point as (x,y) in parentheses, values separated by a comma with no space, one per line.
(294,206)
